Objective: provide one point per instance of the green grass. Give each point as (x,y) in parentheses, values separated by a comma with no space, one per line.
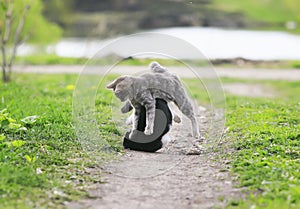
(265,134)
(295,64)
(51,59)
(42,163)
(275,13)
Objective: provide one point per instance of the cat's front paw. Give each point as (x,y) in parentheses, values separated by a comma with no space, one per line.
(148,131)
(126,108)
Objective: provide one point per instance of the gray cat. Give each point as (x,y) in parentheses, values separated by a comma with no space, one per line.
(142,91)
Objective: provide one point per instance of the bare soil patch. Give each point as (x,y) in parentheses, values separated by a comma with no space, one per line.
(248,90)
(181,175)
(251,73)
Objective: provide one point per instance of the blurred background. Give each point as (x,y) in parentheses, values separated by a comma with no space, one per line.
(222,29)
(106,18)
(254,46)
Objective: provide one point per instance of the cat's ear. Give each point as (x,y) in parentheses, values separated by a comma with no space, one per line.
(113,84)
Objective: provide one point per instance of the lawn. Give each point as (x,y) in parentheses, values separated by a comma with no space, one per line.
(265,134)
(273,12)
(263,144)
(42,163)
(51,59)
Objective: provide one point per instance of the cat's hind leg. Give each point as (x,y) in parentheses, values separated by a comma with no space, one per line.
(188,110)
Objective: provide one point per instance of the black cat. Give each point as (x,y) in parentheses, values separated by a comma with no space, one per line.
(162,125)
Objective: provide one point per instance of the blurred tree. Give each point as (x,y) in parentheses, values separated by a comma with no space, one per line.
(22,21)
(59,11)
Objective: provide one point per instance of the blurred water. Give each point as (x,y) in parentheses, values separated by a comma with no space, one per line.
(214,43)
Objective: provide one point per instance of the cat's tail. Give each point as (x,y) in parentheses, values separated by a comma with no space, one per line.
(157,68)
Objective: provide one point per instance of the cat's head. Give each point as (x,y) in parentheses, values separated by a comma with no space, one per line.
(122,87)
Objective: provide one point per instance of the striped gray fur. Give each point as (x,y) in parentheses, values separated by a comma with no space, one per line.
(144,89)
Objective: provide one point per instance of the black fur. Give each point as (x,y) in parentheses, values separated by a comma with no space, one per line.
(155,144)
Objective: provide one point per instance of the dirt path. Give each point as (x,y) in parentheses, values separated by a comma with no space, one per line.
(255,74)
(249,90)
(182,175)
